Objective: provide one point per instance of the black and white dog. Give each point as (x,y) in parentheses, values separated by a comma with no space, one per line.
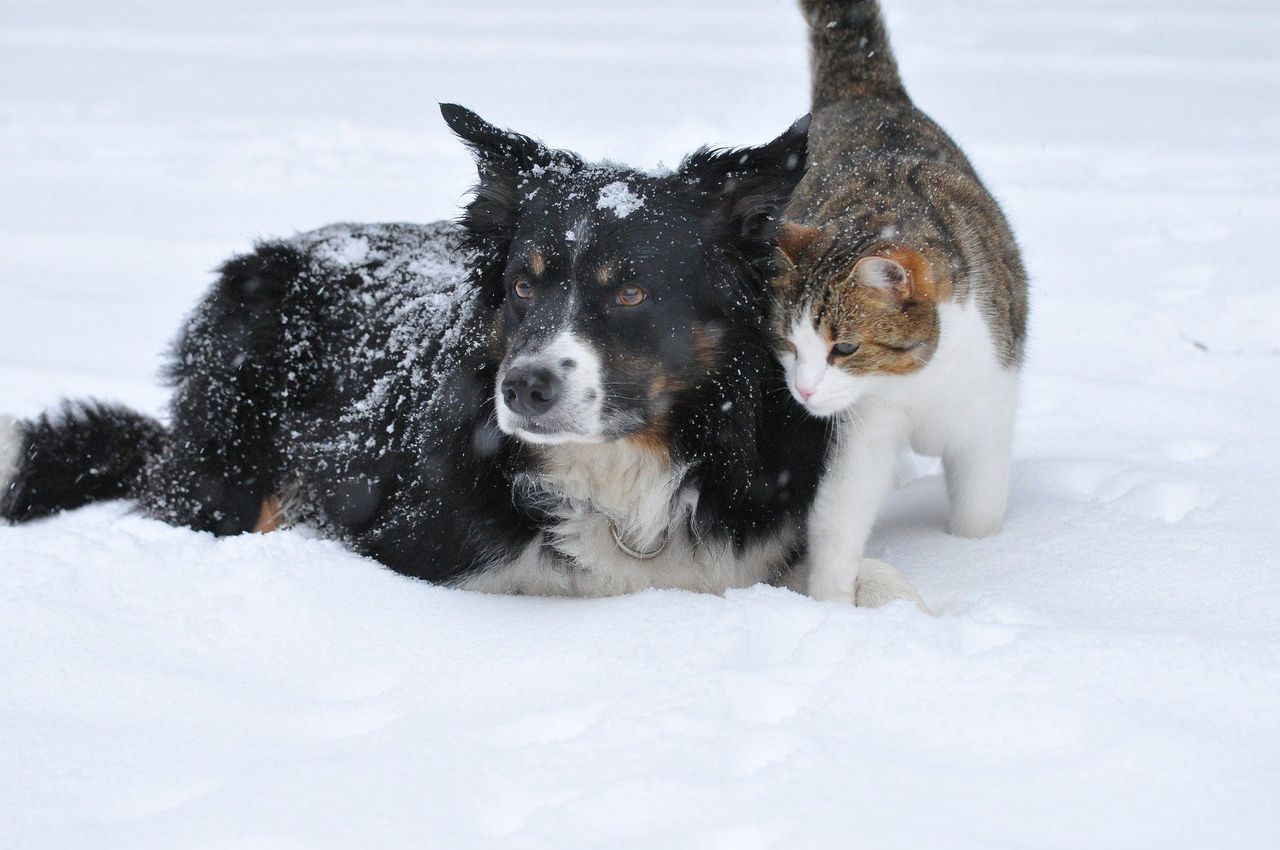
(572,392)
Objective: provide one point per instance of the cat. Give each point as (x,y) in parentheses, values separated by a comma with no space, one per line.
(901,302)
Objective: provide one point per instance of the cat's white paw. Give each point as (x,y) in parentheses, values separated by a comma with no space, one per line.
(975,526)
(833,584)
(876,584)
(879,584)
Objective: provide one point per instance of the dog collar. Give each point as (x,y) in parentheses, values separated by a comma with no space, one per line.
(639,556)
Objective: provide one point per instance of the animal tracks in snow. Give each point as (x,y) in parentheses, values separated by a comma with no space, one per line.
(551,726)
(1189,451)
(1135,490)
(1170,501)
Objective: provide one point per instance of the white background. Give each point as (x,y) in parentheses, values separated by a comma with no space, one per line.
(1104,673)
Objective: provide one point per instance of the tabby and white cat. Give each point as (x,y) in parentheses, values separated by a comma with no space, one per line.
(901,307)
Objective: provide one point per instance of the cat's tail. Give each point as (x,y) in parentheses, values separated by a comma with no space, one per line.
(849,51)
(79,453)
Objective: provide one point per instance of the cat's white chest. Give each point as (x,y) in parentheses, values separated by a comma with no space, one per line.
(963,388)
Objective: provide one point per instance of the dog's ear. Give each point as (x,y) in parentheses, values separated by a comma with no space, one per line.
(795,240)
(492,147)
(750,186)
(505,162)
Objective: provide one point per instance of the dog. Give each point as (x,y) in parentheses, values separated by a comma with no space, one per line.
(571,391)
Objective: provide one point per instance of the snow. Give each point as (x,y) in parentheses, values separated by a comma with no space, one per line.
(1104,672)
(619,197)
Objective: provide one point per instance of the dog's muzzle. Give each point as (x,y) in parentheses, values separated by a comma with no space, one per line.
(553,394)
(531,391)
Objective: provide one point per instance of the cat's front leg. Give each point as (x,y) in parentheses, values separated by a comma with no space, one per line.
(858,476)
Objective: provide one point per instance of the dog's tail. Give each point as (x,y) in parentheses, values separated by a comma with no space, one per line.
(80,453)
(850,54)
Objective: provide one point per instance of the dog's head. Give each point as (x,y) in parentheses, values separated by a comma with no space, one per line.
(615,292)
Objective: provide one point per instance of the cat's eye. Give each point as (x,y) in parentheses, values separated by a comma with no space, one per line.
(630,296)
(844,349)
(523,289)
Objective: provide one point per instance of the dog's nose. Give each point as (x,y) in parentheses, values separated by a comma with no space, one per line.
(530,390)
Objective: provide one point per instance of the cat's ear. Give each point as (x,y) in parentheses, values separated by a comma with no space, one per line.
(897,274)
(505,160)
(795,239)
(883,276)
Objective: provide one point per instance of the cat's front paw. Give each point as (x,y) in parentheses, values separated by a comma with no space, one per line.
(975,526)
(833,585)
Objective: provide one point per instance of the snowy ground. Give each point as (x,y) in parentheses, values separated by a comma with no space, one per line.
(1105,673)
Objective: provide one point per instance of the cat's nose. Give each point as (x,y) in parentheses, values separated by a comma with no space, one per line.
(805,393)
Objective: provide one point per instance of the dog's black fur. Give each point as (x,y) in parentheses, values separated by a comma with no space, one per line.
(353,369)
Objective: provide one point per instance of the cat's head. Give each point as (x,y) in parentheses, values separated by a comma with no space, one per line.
(848,319)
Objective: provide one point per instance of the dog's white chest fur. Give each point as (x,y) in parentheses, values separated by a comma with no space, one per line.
(600,494)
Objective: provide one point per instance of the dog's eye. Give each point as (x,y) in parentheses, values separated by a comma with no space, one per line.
(844,349)
(523,289)
(630,296)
